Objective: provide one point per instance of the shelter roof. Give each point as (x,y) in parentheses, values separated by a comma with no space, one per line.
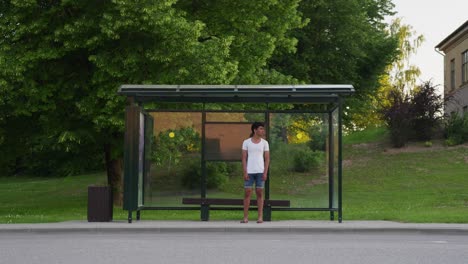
(237,93)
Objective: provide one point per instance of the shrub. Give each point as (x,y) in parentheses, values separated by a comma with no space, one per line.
(281,158)
(456,130)
(294,157)
(416,116)
(397,117)
(216,174)
(451,142)
(426,109)
(318,135)
(234,168)
(170,145)
(306,160)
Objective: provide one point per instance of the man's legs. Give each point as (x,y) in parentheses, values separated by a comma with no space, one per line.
(248,194)
(259,192)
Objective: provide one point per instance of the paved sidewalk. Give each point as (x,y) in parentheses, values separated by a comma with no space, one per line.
(296,226)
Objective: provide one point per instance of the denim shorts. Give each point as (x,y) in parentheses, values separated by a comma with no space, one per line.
(254,177)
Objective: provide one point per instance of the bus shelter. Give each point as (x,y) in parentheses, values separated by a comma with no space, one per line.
(183,146)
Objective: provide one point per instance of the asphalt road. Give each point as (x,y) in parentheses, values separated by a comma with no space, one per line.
(232,247)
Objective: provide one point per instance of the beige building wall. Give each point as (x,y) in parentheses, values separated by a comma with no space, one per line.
(459,96)
(453,47)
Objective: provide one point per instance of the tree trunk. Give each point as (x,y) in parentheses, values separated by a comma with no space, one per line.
(284,135)
(114,175)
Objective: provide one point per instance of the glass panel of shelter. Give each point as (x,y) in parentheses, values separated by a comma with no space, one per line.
(299,159)
(300,156)
(175,158)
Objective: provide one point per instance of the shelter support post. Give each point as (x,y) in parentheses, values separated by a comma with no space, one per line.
(129,216)
(267,212)
(205,212)
(204,208)
(331,161)
(340,159)
(267,207)
(267,183)
(131,158)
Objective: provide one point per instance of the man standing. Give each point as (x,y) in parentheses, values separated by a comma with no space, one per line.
(255,162)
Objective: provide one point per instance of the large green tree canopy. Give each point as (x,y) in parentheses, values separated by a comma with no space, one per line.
(61,62)
(346,41)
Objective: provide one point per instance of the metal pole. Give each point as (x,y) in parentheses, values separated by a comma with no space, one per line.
(203,150)
(340,159)
(130,201)
(331,164)
(204,209)
(267,207)
(267,124)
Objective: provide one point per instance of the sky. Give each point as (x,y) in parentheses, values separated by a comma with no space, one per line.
(435,19)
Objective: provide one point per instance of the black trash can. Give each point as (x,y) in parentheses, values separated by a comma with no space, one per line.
(100,206)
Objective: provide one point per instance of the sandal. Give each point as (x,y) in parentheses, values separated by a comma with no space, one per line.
(259,221)
(244,222)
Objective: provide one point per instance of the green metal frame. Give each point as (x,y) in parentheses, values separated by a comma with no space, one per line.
(329,95)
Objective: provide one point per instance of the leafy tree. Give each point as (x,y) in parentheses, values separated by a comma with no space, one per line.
(62,61)
(402,73)
(346,41)
(256,29)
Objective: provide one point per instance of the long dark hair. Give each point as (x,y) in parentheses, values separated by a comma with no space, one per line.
(255,125)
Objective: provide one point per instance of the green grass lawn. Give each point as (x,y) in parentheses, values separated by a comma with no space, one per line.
(428,185)
(414,184)
(38,199)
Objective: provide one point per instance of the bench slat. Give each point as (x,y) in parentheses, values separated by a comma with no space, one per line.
(226,201)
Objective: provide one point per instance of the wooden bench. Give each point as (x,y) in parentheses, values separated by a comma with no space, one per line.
(206,202)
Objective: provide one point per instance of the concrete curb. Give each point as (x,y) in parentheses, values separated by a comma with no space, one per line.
(298,227)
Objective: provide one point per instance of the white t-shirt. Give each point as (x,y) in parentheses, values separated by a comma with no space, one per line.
(255,161)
